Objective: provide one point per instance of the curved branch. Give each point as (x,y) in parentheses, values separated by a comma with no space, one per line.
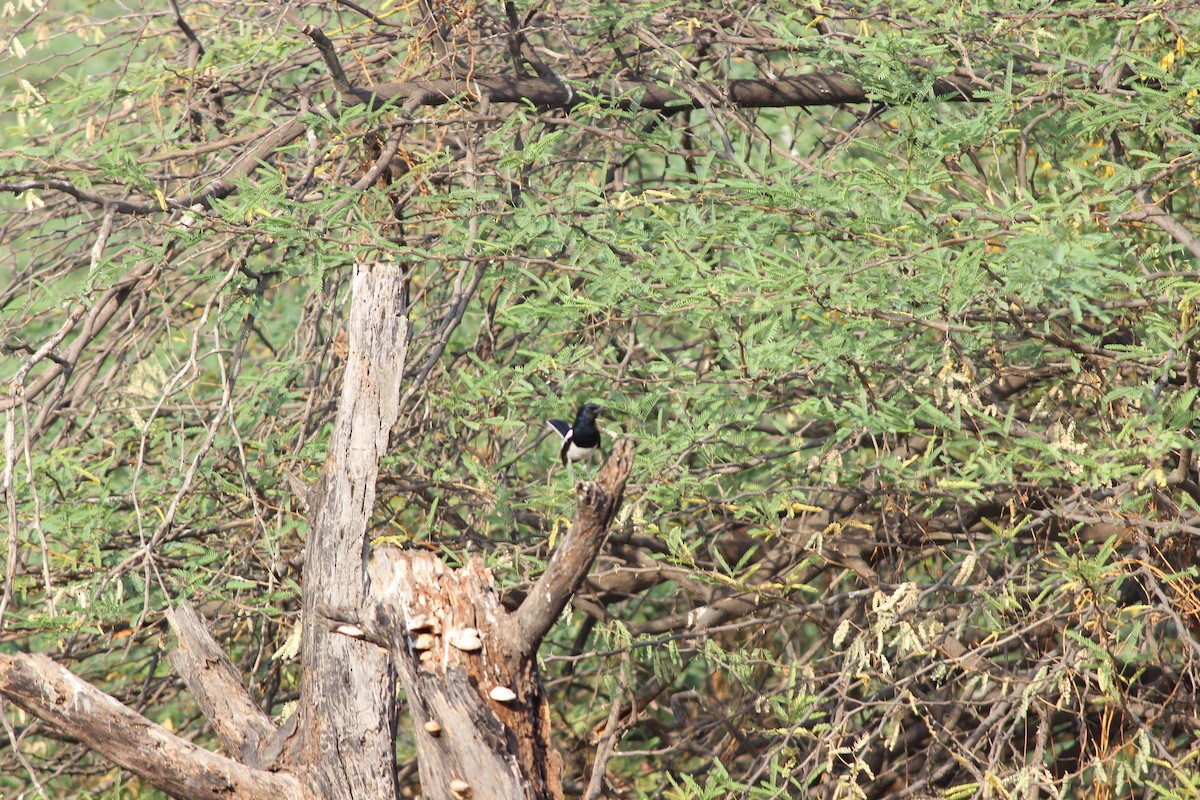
(598,502)
(801,90)
(75,708)
(243,165)
(242,726)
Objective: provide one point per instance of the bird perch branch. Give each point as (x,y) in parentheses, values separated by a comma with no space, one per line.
(597,502)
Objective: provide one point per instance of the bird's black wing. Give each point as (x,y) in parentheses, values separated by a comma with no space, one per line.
(563,428)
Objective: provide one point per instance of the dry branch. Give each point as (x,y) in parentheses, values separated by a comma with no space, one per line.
(242,726)
(468,667)
(815,89)
(597,503)
(76,709)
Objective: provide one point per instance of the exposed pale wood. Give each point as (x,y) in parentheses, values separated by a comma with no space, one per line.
(459,653)
(216,684)
(501,749)
(75,708)
(347,697)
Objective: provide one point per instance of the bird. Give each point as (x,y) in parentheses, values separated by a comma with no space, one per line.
(581,438)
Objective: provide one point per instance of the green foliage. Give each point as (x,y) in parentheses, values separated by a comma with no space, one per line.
(913,384)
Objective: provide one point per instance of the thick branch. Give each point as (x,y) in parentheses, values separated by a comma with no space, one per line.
(217,686)
(799,90)
(79,710)
(347,699)
(597,503)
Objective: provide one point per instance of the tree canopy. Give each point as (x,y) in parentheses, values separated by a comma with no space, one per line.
(899,305)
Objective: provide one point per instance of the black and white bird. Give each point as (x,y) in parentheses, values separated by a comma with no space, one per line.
(581,438)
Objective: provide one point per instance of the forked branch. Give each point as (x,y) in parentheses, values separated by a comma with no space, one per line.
(76,709)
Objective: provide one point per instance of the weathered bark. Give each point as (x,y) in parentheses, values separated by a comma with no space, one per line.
(341,742)
(347,711)
(75,708)
(497,748)
(814,89)
(468,667)
(597,505)
(242,726)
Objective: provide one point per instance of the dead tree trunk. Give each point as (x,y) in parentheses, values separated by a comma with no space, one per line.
(467,666)
(347,713)
(341,741)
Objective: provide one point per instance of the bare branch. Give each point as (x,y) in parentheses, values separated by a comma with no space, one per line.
(800,90)
(77,709)
(217,686)
(243,165)
(597,502)
(324,47)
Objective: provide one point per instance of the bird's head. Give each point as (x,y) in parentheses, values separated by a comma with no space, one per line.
(590,411)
